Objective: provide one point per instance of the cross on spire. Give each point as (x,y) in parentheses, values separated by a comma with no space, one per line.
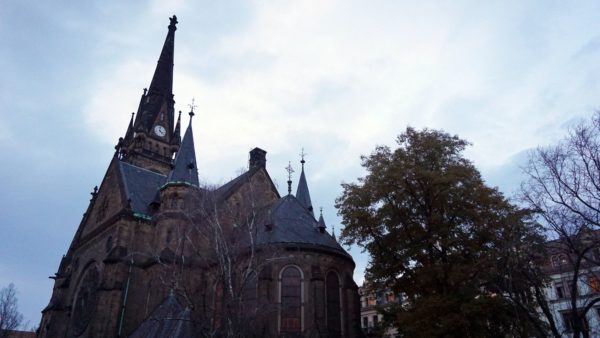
(302,154)
(289,170)
(192,106)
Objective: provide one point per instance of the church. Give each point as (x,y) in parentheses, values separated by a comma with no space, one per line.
(157,254)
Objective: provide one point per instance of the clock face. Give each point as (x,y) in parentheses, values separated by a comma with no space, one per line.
(160,131)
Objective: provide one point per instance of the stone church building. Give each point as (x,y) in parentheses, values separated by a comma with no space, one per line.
(157,254)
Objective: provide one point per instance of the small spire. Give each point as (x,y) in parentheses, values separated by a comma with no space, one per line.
(184,167)
(302,192)
(129,134)
(321,226)
(333,232)
(177,133)
(289,170)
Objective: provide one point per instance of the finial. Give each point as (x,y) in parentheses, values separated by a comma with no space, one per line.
(173,22)
(321,210)
(192,106)
(333,232)
(145,91)
(302,154)
(290,170)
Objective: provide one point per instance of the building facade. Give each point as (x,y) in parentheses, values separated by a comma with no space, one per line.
(158,254)
(574,279)
(371,319)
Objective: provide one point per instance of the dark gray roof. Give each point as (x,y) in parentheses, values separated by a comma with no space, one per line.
(302,193)
(291,223)
(141,186)
(185,168)
(169,319)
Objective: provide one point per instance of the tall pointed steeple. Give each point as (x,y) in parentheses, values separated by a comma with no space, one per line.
(162,81)
(302,193)
(156,111)
(185,169)
(153,138)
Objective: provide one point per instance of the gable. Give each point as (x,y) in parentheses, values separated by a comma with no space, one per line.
(107,202)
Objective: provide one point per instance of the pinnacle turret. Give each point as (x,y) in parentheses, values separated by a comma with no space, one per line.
(176,139)
(302,193)
(184,168)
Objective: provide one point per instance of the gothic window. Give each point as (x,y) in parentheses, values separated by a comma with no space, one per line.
(86,299)
(291,300)
(334,322)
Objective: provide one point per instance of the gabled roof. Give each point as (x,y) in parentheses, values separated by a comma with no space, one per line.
(185,168)
(169,319)
(141,186)
(291,223)
(227,189)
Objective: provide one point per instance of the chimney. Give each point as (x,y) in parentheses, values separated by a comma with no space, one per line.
(258,158)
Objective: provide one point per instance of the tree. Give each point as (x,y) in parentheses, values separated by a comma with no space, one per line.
(454,248)
(10,317)
(563,185)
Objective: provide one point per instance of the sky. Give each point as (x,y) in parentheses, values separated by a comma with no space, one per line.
(335,78)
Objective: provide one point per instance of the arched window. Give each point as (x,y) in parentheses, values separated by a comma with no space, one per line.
(334,322)
(291,300)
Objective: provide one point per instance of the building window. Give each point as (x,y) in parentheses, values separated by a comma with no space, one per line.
(375,321)
(558,260)
(569,321)
(365,322)
(594,284)
(334,320)
(563,290)
(291,300)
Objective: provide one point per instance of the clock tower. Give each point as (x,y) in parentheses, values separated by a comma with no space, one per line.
(153,137)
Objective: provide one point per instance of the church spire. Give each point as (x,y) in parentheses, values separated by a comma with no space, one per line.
(302,193)
(162,81)
(156,111)
(184,168)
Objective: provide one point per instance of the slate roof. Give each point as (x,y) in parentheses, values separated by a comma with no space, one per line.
(185,168)
(141,186)
(169,319)
(291,223)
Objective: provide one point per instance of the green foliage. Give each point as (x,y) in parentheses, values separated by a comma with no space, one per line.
(463,257)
